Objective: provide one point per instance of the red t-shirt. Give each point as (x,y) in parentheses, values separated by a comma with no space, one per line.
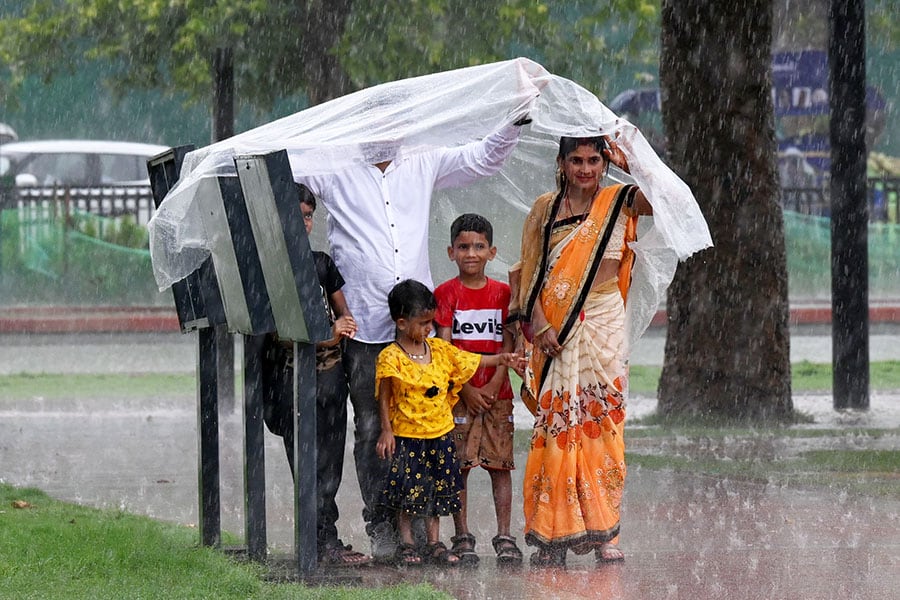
(475,318)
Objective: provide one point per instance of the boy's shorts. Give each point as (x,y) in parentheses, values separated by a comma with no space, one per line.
(485,440)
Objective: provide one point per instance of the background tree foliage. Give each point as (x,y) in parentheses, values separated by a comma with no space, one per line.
(318,48)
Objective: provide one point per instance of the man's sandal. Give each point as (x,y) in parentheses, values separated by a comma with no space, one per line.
(437,554)
(340,555)
(464,548)
(408,556)
(609,553)
(508,554)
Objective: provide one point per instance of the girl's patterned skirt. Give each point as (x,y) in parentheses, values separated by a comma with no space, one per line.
(424,477)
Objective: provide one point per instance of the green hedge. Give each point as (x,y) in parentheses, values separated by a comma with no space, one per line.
(95,260)
(84,262)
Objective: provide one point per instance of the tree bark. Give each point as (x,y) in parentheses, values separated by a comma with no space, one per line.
(223,94)
(322,29)
(727,348)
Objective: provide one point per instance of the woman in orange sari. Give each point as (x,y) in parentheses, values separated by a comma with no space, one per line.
(574,278)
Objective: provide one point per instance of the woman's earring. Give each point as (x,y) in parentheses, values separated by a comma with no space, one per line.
(560,178)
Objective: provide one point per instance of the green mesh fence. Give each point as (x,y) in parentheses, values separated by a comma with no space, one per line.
(86,259)
(808,244)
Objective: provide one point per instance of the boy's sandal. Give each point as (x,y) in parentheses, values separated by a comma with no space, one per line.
(464,548)
(340,555)
(507,551)
(437,554)
(408,556)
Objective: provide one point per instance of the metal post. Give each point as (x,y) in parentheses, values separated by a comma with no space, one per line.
(254,448)
(305,460)
(849,206)
(223,128)
(199,307)
(208,437)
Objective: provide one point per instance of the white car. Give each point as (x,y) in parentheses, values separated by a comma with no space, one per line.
(86,163)
(7,134)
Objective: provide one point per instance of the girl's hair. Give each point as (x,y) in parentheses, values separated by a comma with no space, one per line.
(569,144)
(410,298)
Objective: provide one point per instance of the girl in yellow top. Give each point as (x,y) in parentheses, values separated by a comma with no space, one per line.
(418,379)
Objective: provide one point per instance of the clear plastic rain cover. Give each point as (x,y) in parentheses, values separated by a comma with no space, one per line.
(448,109)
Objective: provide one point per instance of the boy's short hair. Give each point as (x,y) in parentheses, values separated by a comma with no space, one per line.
(410,298)
(472,222)
(305,195)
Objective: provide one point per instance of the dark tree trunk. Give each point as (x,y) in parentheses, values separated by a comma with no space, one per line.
(727,348)
(322,29)
(301,38)
(223,94)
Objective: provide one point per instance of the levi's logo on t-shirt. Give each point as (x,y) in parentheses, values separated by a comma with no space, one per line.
(484,324)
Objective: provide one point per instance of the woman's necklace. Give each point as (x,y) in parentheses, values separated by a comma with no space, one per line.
(582,215)
(414,356)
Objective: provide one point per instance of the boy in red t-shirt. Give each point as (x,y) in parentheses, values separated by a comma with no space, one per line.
(471,312)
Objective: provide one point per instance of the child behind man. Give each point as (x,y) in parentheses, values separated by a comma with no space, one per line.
(331,400)
(418,379)
(471,312)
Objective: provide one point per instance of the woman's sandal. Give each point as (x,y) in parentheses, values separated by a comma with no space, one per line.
(549,557)
(508,554)
(408,556)
(437,554)
(609,553)
(464,548)
(340,555)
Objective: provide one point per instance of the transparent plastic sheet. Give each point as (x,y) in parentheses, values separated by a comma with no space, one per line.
(448,109)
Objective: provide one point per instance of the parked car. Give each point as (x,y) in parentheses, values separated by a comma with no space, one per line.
(77,162)
(7,134)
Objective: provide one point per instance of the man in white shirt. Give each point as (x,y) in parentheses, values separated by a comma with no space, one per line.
(378,221)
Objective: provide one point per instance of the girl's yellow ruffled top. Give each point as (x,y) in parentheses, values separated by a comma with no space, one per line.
(422,395)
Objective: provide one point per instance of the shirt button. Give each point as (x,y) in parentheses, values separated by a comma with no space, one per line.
(396,250)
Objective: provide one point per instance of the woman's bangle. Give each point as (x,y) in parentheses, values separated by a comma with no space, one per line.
(543,329)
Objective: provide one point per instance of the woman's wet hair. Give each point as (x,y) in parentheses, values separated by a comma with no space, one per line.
(410,298)
(569,144)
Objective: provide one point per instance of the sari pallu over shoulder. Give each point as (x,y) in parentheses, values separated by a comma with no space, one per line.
(563,290)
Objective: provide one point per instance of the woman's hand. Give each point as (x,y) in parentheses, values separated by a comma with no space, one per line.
(547,343)
(614,154)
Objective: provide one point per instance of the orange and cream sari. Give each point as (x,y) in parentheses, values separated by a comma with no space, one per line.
(575,474)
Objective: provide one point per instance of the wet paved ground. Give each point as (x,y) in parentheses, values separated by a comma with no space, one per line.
(684,536)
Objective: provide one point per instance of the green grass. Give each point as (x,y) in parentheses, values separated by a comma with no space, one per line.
(54,550)
(860,472)
(814,377)
(52,385)
(807,377)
